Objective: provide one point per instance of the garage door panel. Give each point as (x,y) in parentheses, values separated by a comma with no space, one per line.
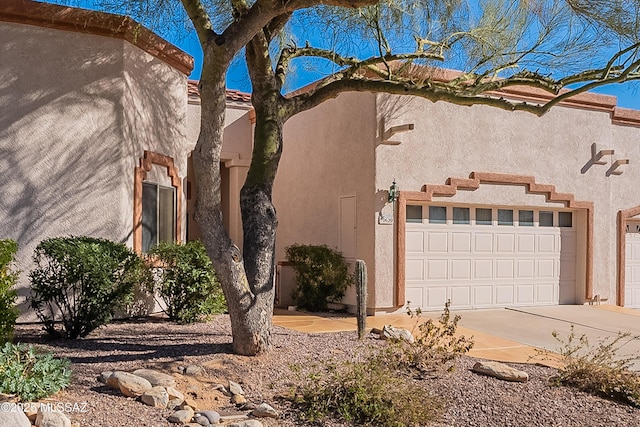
(460,297)
(437,269)
(546,268)
(436,297)
(505,243)
(482,296)
(415,241)
(482,268)
(504,269)
(526,243)
(460,269)
(414,269)
(461,242)
(504,294)
(526,268)
(483,243)
(414,297)
(547,293)
(525,294)
(438,242)
(546,243)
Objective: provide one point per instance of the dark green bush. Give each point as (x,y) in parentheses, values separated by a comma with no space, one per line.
(321,275)
(186,281)
(8,294)
(80,281)
(29,374)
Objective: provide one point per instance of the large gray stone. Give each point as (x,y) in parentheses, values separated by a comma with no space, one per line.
(156,377)
(396,334)
(15,418)
(500,371)
(52,419)
(156,397)
(235,388)
(130,385)
(212,416)
(182,416)
(265,410)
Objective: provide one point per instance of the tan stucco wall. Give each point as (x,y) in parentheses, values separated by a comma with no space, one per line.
(452,141)
(76,113)
(328,153)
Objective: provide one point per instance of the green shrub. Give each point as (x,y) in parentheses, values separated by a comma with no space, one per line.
(321,275)
(8,294)
(80,281)
(365,392)
(29,374)
(599,369)
(436,343)
(187,282)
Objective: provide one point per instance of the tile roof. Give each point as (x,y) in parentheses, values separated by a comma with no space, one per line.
(232,95)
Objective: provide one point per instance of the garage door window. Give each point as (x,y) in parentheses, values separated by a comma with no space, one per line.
(505,217)
(546,219)
(565,219)
(525,218)
(461,216)
(414,214)
(484,216)
(437,215)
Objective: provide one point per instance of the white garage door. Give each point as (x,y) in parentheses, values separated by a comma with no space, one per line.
(632,266)
(482,257)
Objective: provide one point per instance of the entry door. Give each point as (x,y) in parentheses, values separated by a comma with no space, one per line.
(632,265)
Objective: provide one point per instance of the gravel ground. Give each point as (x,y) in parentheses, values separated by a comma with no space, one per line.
(471,399)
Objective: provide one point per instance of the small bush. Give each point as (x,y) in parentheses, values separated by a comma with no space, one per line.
(366,392)
(435,344)
(321,275)
(29,374)
(8,294)
(187,282)
(599,369)
(79,282)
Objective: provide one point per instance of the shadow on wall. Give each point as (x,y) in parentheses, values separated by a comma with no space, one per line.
(76,113)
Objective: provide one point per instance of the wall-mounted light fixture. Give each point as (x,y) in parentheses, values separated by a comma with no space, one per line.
(394,192)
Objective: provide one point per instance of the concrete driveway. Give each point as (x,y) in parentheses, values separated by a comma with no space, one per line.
(533,326)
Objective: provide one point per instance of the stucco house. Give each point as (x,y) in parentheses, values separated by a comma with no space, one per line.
(494,209)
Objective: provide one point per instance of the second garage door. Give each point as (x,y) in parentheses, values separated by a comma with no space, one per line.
(484,257)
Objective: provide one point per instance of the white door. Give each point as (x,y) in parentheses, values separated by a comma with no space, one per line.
(632,265)
(483,257)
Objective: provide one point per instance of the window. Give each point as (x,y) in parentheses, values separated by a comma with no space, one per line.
(484,216)
(414,213)
(461,216)
(546,219)
(505,217)
(158,215)
(437,215)
(565,219)
(525,218)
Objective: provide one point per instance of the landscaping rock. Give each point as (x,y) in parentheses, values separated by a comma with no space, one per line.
(182,416)
(230,418)
(156,377)
(175,394)
(191,403)
(247,423)
(156,397)
(212,416)
(500,371)
(174,403)
(130,385)
(104,376)
(238,399)
(265,410)
(235,388)
(396,334)
(194,370)
(14,419)
(202,420)
(52,419)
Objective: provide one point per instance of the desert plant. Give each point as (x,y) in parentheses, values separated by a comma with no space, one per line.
(599,369)
(365,392)
(30,374)
(79,282)
(186,281)
(8,294)
(322,275)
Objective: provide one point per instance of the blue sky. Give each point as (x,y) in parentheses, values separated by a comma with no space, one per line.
(628,94)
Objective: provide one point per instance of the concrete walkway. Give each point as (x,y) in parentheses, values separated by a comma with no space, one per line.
(517,335)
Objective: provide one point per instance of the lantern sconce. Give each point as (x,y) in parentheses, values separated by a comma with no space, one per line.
(394,192)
